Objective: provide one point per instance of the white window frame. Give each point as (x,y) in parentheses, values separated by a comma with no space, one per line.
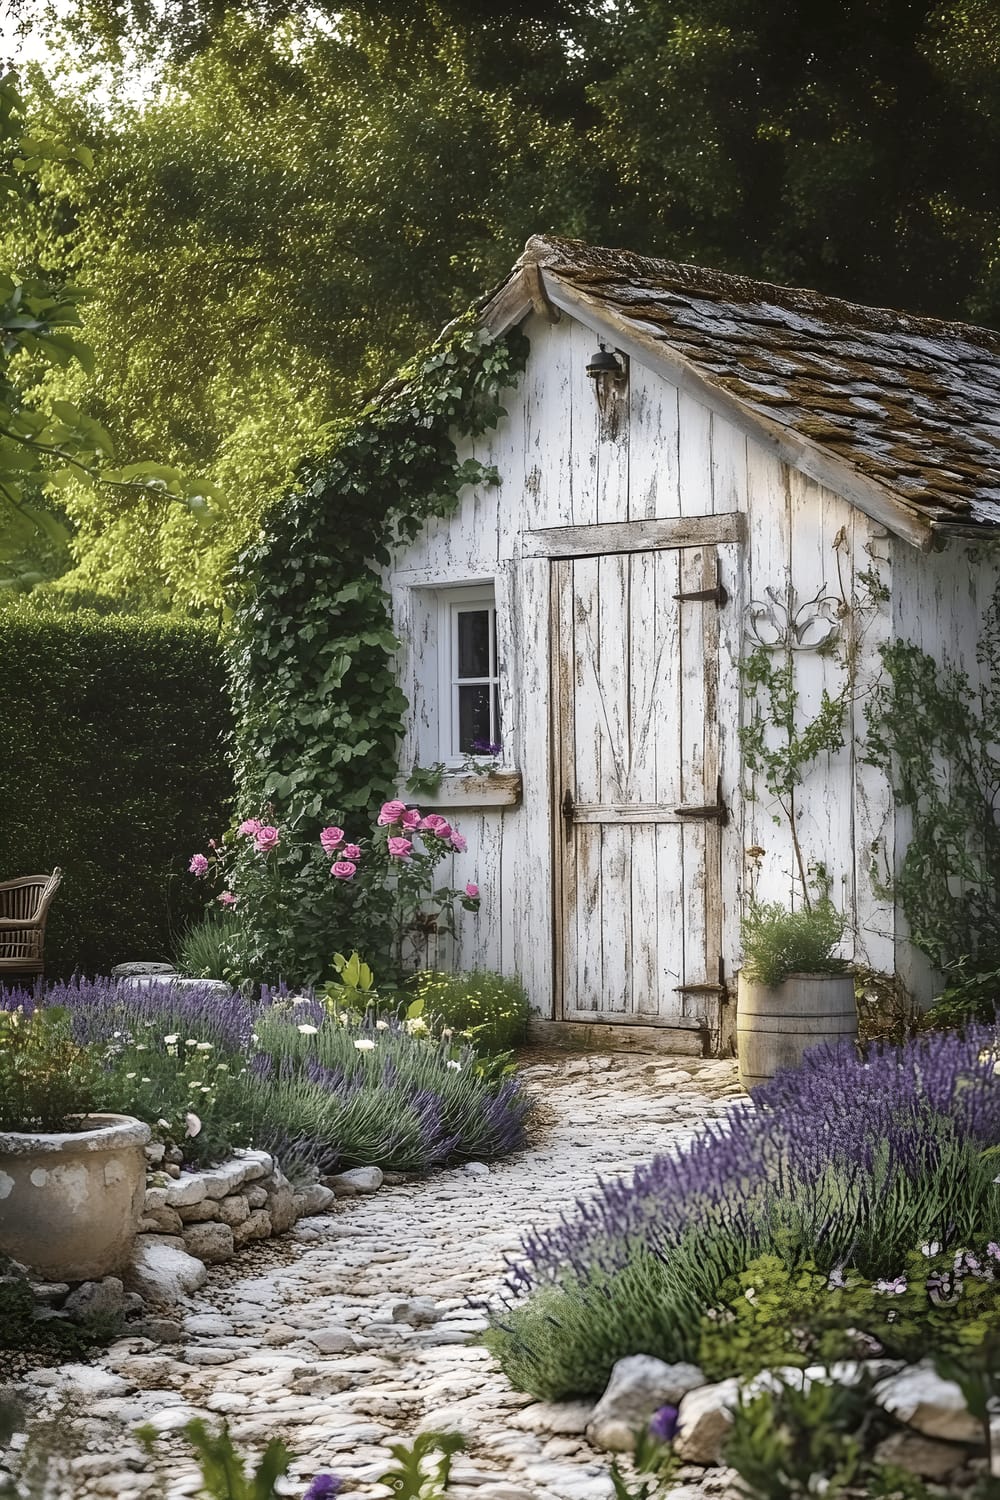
(451,603)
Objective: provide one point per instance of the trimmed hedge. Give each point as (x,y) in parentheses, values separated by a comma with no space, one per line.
(112,765)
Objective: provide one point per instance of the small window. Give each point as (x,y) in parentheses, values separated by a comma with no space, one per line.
(470,699)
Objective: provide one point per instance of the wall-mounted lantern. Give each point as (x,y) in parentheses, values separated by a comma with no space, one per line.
(609,372)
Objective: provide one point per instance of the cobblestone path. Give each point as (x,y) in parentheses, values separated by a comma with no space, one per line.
(311,1343)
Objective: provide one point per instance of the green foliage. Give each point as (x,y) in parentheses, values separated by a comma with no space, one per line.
(935,735)
(775,1315)
(21,1329)
(782,1439)
(564,1342)
(48,442)
(778,942)
(223,1470)
(415,1475)
(776,745)
(45,1077)
(206,949)
(98,705)
(490,1011)
(320,714)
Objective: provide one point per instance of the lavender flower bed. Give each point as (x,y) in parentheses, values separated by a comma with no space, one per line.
(282,1073)
(842,1162)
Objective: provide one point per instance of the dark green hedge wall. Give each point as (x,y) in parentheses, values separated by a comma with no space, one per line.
(112,765)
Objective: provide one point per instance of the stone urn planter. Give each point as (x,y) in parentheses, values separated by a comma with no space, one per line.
(70,1203)
(776,1024)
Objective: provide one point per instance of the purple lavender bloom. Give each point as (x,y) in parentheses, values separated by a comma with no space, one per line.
(663,1424)
(486,747)
(323,1486)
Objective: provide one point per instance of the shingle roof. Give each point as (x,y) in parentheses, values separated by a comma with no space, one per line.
(910,403)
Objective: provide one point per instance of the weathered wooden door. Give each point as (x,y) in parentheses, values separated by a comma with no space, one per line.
(637,832)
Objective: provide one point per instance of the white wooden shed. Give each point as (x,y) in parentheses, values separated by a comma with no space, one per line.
(759,457)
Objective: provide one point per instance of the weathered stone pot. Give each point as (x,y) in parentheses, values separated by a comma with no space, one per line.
(777,1024)
(70,1203)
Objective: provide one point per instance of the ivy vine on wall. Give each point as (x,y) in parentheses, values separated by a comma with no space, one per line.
(319,710)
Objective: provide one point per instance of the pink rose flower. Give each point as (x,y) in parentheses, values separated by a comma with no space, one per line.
(226,899)
(411,818)
(458,843)
(250,828)
(391,812)
(343,869)
(434,823)
(351,851)
(400,848)
(198,865)
(266,838)
(330,838)
(472,890)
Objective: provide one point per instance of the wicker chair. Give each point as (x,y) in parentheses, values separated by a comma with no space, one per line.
(24,906)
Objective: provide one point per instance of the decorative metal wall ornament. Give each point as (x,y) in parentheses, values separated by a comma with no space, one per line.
(781,622)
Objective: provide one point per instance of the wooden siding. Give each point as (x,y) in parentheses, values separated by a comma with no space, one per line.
(664,456)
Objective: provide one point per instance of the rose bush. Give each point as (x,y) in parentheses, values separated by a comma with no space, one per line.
(295,907)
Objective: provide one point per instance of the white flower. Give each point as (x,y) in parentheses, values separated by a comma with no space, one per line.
(932,1247)
(298,1000)
(254,1037)
(364,1044)
(456,1067)
(145,1080)
(381,1025)
(417,1027)
(129,1075)
(204,1046)
(192,1041)
(192,1124)
(141,1047)
(307,1030)
(172,1039)
(163,1124)
(751,1294)
(344,1018)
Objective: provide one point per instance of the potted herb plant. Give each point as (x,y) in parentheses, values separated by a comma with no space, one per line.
(793,993)
(72,1181)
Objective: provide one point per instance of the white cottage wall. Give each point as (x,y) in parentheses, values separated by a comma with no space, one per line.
(671,456)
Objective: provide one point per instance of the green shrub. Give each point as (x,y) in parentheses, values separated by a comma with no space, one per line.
(205,950)
(772,1316)
(488,1010)
(112,747)
(46,1077)
(778,942)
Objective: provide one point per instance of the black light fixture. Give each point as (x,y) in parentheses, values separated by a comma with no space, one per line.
(604,363)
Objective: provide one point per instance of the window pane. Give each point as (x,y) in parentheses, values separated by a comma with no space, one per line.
(473,716)
(473,643)
(496,715)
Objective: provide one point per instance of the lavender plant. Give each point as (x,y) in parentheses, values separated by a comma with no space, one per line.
(323,1090)
(845,1162)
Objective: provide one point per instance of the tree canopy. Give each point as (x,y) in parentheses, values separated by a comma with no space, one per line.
(311,191)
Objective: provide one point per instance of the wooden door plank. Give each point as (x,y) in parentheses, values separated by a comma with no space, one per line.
(598,540)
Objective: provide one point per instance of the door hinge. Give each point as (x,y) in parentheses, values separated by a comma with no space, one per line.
(721,989)
(712,812)
(568,808)
(715,596)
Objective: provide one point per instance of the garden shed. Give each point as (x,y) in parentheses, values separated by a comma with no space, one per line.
(694,468)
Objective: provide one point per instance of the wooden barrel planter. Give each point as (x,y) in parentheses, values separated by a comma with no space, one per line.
(777,1024)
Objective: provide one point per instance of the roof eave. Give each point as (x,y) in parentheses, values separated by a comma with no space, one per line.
(882,504)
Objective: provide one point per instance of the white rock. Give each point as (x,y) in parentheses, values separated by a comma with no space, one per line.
(357,1180)
(185,1190)
(476,1169)
(920,1398)
(332,1340)
(172,1418)
(210,1242)
(313,1199)
(259,1164)
(417,1311)
(208,1325)
(162,1273)
(639,1384)
(83,1380)
(704,1421)
(560,1418)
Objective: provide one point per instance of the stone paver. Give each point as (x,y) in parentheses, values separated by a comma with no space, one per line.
(356,1330)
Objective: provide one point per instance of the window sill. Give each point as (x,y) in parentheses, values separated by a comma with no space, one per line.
(459,789)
